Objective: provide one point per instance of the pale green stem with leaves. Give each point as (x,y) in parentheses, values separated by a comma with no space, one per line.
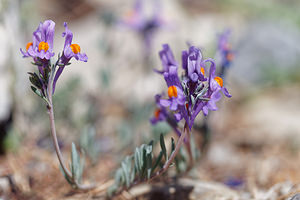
(174,153)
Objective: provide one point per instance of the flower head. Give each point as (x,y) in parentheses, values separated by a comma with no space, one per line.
(41,46)
(41,50)
(70,49)
(196,90)
(146,27)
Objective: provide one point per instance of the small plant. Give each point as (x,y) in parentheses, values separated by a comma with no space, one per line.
(198,89)
(44,81)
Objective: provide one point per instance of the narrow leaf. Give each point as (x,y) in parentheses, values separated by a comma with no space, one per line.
(141,159)
(173,145)
(126,173)
(35,80)
(137,159)
(151,143)
(144,157)
(132,175)
(81,164)
(158,160)
(163,146)
(36,91)
(119,178)
(149,160)
(75,163)
(66,177)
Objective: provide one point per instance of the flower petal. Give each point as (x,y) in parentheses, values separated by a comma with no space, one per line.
(226,93)
(82,57)
(174,104)
(165,102)
(68,34)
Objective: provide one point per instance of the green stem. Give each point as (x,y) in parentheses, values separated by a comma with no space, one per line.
(174,153)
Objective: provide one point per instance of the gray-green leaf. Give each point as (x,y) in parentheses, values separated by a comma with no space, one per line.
(163,146)
(75,164)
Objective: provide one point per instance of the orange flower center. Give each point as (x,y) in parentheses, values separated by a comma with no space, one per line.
(156,113)
(230,56)
(28,45)
(219,80)
(43,46)
(75,48)
(202,71)
(172,91)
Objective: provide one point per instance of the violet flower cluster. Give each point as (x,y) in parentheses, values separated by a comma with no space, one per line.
(41,50)
(198,89)
(146,27)
(225,51)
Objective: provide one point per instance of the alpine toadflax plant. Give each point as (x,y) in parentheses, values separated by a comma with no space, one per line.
(198,89)
(40,49)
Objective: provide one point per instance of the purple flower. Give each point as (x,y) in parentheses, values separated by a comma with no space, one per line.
(167,59)
(193,64)
(208,100)
(41,50)
(70,50)
(136,19)
(144,26)
(42,42)
(160,113)
(225,49)
(215,86)
(177,98)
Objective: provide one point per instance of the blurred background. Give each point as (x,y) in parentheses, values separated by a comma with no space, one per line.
(105,105)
